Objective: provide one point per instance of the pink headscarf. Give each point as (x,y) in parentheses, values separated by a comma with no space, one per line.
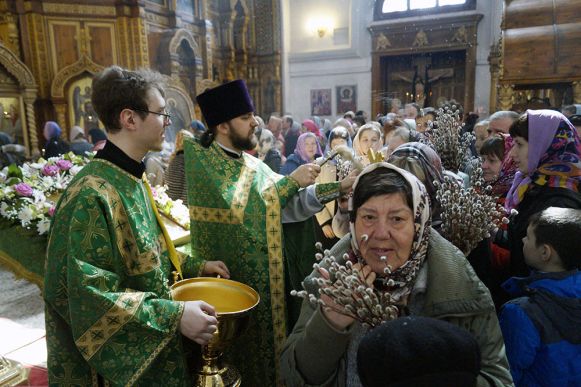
(300,149)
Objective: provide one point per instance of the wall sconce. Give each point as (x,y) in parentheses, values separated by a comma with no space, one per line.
(320,26)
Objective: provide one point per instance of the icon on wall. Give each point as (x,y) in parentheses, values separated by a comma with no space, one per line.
(321,102)
(346,99)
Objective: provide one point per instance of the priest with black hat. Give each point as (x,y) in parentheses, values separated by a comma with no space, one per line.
(237,206)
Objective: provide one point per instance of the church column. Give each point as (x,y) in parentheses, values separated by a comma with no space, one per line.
(494,61)
(31,138)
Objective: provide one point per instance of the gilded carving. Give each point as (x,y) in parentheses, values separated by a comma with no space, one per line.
(39,45)
(80,66)
(154,18)
(421,39)
(79,9)
(26,81)
(9,32)
(461,35)
(382,42)
(505,97)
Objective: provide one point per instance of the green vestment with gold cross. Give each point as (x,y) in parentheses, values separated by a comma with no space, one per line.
(236,217)
(110,319)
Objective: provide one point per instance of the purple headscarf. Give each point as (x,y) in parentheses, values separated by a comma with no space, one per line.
(51,130)
(300,149)
(553,156)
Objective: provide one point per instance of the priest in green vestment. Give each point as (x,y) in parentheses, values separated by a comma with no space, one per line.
(110,318)
(237,207)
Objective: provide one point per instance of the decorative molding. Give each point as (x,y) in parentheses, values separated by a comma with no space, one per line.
(29,93)
(382,42)
(79,9)
(160,20)
(421,39)
(183,34)
(505,97)
(84,64)
(17,68)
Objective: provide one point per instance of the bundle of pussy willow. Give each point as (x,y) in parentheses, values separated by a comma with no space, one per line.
(468,215)
(348,292)
(447,139)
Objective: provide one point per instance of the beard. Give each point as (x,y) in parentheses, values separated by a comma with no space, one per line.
(244,143)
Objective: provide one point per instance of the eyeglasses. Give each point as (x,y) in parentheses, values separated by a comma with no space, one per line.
(166,116)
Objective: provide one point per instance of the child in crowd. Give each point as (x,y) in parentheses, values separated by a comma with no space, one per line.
(542,328)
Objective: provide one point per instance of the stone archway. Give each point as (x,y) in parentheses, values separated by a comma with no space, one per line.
(28,94)
(185,61)
(58,89)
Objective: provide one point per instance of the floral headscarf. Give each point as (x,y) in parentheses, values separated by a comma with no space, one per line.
(431,165)
(404,276)
(300,149)
(553,156)
(507,169)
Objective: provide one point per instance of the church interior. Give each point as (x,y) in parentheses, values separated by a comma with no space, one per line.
(303,58)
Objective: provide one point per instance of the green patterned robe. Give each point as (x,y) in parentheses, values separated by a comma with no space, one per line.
(109,313)
(235,212)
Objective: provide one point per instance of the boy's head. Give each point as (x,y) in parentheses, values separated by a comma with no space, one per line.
(552,242)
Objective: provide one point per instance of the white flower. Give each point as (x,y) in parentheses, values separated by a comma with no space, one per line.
(38,196)
(25,215)
(4,210)
(43,226)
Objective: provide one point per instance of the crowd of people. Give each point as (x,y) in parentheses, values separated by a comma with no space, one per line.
(262,196)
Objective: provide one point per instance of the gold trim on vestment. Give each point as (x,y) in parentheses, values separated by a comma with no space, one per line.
(234,214)
(275,270)
(110,323)
(136,262)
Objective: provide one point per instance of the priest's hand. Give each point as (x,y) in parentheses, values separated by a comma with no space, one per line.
(214,268)
(198,321)
(306,174)
(348,181)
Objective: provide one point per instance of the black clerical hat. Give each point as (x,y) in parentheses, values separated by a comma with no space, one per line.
(225,102)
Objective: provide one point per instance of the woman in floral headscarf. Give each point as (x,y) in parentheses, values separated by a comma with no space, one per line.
(547,153)
(390,225)
(424,163)
(307,150)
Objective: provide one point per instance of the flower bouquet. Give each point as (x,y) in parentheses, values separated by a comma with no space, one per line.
(28,194)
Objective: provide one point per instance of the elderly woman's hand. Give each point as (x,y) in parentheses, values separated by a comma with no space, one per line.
(331,311)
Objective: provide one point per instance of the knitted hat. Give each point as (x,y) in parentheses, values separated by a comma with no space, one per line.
(418,351)
(225,102)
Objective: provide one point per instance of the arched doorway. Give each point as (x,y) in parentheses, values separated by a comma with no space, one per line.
(18,91)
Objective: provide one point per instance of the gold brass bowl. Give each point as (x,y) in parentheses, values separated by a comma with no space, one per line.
(233,302)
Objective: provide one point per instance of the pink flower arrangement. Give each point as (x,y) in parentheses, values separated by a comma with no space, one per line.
(50,170)
(51,211)
(23,189)
(64,165)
